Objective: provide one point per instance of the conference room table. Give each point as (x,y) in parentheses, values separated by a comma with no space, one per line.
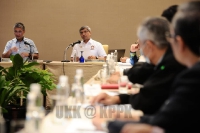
(9,64)
(83,123)
(58,68)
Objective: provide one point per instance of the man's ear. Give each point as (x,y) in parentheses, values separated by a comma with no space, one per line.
(150,45)
(181,45)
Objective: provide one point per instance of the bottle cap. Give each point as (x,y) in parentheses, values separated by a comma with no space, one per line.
(104,65)
(35,87)
(63,79)
(31,96)
(79,71)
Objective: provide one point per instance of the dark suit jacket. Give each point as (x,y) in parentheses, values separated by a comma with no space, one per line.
(157,81)
(181,111)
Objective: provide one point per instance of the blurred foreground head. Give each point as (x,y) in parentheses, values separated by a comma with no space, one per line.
(186,29)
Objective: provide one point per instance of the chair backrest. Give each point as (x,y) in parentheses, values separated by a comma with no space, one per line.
(105,46)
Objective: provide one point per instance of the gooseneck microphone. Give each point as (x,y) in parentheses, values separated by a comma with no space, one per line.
(25,42)
(70,45)
(78,42)
(31,54)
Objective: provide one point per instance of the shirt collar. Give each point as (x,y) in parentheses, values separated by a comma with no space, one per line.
(89,42)
(15,40)
(161,58)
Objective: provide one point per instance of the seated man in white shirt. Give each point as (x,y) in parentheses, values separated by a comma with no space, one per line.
(20,45)
(95,49)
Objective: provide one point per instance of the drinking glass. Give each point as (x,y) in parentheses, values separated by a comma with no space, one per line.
(123,84)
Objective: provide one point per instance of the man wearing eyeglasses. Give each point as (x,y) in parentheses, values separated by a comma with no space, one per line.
(20,45)
(94,48)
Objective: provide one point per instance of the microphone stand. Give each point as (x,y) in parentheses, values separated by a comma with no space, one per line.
(31,54)
(65,54)
(71,45)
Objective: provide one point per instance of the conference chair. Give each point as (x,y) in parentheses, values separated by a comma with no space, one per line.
(105,46)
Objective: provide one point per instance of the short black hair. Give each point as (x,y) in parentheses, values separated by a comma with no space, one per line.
(170,12)
(187,25)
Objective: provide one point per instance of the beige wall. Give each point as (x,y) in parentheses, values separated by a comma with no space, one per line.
(54,24)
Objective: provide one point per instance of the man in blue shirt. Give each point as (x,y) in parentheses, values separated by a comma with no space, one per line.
(20,45)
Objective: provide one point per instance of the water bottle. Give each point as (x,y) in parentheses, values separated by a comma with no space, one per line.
(62,91)
(115,54)
(107,65)
(75,56)
(78,91)
(79,81)
(80,73)
(35,110)
(103,74)
(62,94)
(111,64)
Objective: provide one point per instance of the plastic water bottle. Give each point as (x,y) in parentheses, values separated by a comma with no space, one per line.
(79,92)
(115,54)
(62,95)
(35,110)
(62,90)
(111,64)
(80,73)
(75,56)
(107,65)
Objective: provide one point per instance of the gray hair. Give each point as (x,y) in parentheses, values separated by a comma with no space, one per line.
(85,27)
(154,29)
(20,25)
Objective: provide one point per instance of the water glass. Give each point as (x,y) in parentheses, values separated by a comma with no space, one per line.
(103,76)
(123,84)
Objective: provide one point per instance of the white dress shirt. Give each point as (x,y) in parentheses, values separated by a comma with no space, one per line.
(93,47)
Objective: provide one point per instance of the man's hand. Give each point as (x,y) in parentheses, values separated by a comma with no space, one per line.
(14,49)
(91,57)
(141,128)
(23,54)
(123,59)
(98,120)
(102,58)
(113,114)
(105,99)
(134,47)
(114,78)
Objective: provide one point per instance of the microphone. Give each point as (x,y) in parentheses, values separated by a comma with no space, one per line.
(25,42)
(78,42)
(71,45)
(31,54)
